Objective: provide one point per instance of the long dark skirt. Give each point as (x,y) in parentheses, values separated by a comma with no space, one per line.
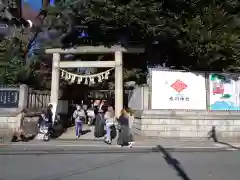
(123,138)
(99,127)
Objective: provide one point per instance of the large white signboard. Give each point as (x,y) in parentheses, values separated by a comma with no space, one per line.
(178,90)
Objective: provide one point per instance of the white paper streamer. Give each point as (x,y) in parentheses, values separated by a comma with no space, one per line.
(66,76)
(106,76)
(79,80)
(86,81)
(92,80)
(87,78)
(69,76)
(73,79)
(99,78)
(62,74)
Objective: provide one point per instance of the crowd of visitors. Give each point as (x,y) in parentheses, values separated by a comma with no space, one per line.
(106,124)
(102,117)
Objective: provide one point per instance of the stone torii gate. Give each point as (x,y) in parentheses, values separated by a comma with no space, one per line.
(117,63)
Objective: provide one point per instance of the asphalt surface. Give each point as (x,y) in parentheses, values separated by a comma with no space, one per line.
(74,163)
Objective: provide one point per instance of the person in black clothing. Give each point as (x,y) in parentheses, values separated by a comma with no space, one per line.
(123,138)
(49,113)
(99,121)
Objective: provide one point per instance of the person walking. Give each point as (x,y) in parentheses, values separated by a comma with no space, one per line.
(130,120)
(79,116)
(109,124)
(123,121)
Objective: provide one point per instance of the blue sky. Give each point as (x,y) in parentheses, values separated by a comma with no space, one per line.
(35,4)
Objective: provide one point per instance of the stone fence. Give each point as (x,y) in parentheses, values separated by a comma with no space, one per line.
(38,99)
(19,109)
(186,124)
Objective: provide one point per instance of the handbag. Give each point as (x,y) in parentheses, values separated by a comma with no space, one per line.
(118,126)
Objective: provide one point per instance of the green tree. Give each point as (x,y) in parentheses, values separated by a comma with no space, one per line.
(14,69)
(188,34)
(14,45)
(211,38)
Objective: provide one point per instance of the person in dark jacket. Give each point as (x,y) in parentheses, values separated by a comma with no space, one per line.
(47,117)
(123,138)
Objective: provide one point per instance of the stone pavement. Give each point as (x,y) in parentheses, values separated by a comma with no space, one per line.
(88,134)
(88,139)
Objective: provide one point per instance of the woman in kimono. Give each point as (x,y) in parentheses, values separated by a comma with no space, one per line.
(123,138)
(99,124)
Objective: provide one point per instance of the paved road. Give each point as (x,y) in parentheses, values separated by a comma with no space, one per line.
(75,163)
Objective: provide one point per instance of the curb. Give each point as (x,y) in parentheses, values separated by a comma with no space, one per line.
(141,148)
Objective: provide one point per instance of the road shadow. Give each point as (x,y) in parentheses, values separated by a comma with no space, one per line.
(85,131)
(212,134)
(173,162)
(229,145)
(22,138)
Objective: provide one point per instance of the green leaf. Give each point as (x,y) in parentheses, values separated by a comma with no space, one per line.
(226,96)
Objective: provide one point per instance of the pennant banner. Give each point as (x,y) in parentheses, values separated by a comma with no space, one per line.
(87,79)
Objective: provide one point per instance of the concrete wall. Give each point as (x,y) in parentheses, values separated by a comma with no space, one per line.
(139,98)
(9,121)
(176,124)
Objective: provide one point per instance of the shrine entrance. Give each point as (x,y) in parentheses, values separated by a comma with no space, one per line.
(58,69)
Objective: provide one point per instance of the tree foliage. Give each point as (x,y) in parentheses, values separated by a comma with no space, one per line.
(190,34)
(211,38)
(14,69)
(16,38)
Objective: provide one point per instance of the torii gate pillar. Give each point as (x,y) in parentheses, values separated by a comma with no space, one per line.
(55,78)
(118,83)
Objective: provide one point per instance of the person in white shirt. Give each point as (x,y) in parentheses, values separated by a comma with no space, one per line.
(79,116)
(109,121)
